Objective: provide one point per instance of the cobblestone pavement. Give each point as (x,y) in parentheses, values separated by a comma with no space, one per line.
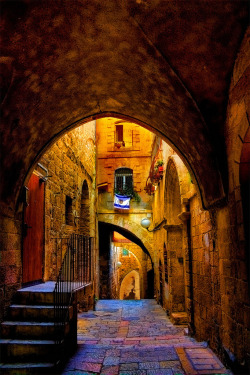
(137,338)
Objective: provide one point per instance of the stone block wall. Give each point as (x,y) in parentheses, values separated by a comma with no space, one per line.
(136,155)
(205,274)
(233,237)
(10,260)
(71,169)
(170,241)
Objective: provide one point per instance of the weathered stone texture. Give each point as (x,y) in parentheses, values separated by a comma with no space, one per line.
(71,169)
(10,260)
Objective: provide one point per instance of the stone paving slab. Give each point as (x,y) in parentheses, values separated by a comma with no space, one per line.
(137,338)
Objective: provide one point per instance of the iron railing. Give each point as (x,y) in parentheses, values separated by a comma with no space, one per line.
(75,273)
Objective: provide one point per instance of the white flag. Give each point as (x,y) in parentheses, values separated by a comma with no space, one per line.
(121,201)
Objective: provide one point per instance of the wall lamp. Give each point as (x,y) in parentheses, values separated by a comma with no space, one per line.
(146,222)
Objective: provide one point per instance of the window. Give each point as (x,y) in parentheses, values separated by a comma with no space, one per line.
(119,133)
(124,181)
(68,211)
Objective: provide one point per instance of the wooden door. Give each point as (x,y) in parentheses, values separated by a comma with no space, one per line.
(33,231)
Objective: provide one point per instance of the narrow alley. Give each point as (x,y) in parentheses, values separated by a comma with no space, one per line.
(124,193)
(135,337)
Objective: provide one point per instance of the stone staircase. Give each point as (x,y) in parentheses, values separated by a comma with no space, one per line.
(27,343)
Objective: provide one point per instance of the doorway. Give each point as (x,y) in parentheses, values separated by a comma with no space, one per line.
(33,231)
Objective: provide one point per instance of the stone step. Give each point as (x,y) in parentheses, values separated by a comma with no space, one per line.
(36,313)
(23,297)
(27,368)
(27,350)
(179,318)
(27,330)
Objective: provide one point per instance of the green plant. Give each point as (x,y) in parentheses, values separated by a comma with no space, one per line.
(129,192)
(136,197)
(159,163)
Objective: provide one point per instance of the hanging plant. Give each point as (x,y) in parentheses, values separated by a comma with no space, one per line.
(159,163)
(158,170)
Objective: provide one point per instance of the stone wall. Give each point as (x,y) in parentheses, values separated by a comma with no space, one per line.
(134,154)
(10,260)
(70,161)
(71,182)
(204,258)
(233,237)
(214,262)
(170,241)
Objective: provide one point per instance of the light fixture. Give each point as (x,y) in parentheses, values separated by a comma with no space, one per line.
(118,264)
(145,223)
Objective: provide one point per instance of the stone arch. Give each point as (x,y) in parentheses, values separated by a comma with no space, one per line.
(126,227)
(142,281)
(175,299)
(84,220)
(51,97)
(126,283)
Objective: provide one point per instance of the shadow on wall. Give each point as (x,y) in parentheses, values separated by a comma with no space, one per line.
(130,286)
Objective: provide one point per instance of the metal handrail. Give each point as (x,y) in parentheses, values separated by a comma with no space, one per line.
(75,273)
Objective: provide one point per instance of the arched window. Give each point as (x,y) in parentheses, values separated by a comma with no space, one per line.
(124,181)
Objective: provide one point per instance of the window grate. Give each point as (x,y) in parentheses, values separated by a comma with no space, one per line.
(124,181)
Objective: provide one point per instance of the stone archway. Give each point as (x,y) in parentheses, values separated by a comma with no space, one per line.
(72,81)
(130,286)
(120,223)
(174,246)
(109,224)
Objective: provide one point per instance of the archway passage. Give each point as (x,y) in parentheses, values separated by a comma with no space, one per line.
(140,261)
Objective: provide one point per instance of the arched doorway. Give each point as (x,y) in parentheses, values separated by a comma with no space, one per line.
(173,251)
(108,257)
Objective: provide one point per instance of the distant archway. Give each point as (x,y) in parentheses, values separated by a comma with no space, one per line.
(130,286)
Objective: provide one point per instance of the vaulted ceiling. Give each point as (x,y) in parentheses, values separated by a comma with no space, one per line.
(166,64)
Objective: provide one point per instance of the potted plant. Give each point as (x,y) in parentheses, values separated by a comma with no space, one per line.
(159,165)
